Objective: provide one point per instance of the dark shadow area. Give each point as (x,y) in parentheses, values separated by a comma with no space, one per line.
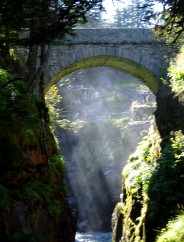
(119,228)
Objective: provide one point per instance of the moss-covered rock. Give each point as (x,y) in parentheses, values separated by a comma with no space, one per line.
(153,178)
(32,191)
(136,177)
(165,190)
(152,188)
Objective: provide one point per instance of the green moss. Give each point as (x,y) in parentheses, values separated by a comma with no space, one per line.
(116,216)
(153,187)
(22,134)
(166,191)
(54,208)
(136,180)
(38,194)
(19,116)
(48,191)
(120,63)
(56,166)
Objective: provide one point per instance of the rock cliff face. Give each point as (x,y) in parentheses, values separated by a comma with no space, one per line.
(32,202)
(151,192)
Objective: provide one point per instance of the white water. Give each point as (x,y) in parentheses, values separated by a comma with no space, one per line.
(93,237)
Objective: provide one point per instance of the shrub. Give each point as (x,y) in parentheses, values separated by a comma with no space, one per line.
(19,116)
(174,231)
(176,74)
(166,191)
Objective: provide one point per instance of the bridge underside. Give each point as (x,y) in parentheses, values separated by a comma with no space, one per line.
(120,63)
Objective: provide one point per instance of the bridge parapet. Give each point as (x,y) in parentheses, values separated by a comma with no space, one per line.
(111,36)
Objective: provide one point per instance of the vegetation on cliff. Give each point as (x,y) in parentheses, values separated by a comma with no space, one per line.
(31,175)
(153,178)
(165,191)
(173,231)
(152,206)
(32,203)
(18,112)
(136,181)
(176,75)
(169,17)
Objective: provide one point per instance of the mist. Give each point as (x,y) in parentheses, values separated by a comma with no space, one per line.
(103,115)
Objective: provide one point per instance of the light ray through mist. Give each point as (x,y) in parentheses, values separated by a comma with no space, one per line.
(107,111)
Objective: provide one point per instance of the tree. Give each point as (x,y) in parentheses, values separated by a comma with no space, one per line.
(44,21)
(170,18)
(94,18)
(129,15)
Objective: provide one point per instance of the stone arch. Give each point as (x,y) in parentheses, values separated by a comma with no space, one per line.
(121,63)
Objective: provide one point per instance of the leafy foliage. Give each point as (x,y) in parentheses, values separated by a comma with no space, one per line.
(52,99)
(42,193)
(166,184)
(56,169)
(126,15)
(170,18)
(173,231)
(45,20)
(129,16)
(37,24)
(176,75)
(18,111)
(136,182)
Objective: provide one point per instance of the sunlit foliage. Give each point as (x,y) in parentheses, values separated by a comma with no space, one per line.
(166,190)
(176,75)
(136,181)
(174,231)
(170,18)
(52,99)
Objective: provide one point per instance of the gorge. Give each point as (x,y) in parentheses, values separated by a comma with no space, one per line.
(82,158)
(102,116)
(33,181)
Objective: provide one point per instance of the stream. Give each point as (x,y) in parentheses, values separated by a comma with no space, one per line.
(93,237)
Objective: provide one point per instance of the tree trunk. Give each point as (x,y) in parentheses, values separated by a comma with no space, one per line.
(40,71)
(31,64)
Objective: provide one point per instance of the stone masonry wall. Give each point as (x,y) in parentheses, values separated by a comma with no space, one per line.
(137,45)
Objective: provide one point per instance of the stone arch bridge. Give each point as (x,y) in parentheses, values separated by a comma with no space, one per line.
(135,51)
